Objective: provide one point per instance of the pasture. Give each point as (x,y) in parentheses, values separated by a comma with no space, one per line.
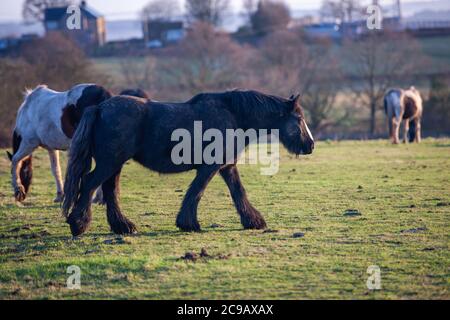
(401,194)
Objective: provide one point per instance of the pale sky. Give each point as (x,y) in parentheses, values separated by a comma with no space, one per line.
(11,10)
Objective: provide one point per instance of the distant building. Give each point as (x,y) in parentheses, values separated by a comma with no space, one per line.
(93,30)
(10,43)
(323,30)
(162,33)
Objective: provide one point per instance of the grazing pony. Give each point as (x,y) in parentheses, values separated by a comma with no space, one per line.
(48,118)
(124,128)
(404,105)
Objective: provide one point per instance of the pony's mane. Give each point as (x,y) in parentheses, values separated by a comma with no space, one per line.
(414,94)
(394,90)
(29,92)
(245,101)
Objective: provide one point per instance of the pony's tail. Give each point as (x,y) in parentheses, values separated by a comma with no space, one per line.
(26,170)
(80,159)
(412,130)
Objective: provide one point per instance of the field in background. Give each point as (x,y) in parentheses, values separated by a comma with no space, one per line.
(401,192)
(436,48)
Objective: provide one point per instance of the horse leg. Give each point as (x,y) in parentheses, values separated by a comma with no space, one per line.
(24,151)
(405,130)
(391,129)
(396,124)
(418,136)
(56,171)
(118,222)
(187,217)
(250,217)
(98,198)
(80,217)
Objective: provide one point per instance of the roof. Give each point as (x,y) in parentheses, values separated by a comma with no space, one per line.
(57,13)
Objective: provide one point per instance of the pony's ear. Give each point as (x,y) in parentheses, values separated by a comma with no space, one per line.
(295,101)
(10,156)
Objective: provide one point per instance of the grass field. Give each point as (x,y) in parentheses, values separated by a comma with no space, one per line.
(401,192)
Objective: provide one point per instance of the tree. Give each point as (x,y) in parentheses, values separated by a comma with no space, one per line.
(33,10)
(15,76)
(164,10)
(437,107)
(206,60)
(270,16)
(140,74)
(289,66)
(379,61)
(341,10)
(249,9)
(58,62)
(209,11)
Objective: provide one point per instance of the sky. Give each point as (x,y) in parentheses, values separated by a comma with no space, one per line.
(10,10)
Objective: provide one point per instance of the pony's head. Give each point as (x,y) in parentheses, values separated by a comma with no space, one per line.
(26,167)
(294,132)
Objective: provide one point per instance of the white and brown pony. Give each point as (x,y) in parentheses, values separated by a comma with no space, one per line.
(404,105)
(48,119)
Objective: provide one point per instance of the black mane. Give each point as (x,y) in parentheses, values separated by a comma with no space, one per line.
(245,102)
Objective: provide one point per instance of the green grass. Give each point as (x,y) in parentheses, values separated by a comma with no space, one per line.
(395,188)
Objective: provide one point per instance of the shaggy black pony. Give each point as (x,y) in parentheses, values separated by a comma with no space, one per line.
(124,128)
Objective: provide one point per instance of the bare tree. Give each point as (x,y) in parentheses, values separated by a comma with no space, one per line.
(59,62)
(270,16)
(380,61)
(210,11)
(33,10)
(437,106)
(16,75)
(311,70)
(342,10)
(249,9)
(139,73)
(206,60)
(164,10)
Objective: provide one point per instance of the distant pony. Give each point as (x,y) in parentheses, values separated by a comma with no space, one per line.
(48,119)
(124,128)
(404,105)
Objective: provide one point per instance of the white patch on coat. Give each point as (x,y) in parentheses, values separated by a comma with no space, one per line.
(307,130)
(39,117)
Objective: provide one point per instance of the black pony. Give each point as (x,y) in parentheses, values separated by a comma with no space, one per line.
(124,128)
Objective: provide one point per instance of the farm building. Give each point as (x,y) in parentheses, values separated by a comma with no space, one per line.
(162,33)
(92,32)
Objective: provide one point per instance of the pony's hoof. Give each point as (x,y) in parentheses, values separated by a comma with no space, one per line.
(77,227)
(189,227)
(59,198)
(19,193)
(124,227)
(258,224)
